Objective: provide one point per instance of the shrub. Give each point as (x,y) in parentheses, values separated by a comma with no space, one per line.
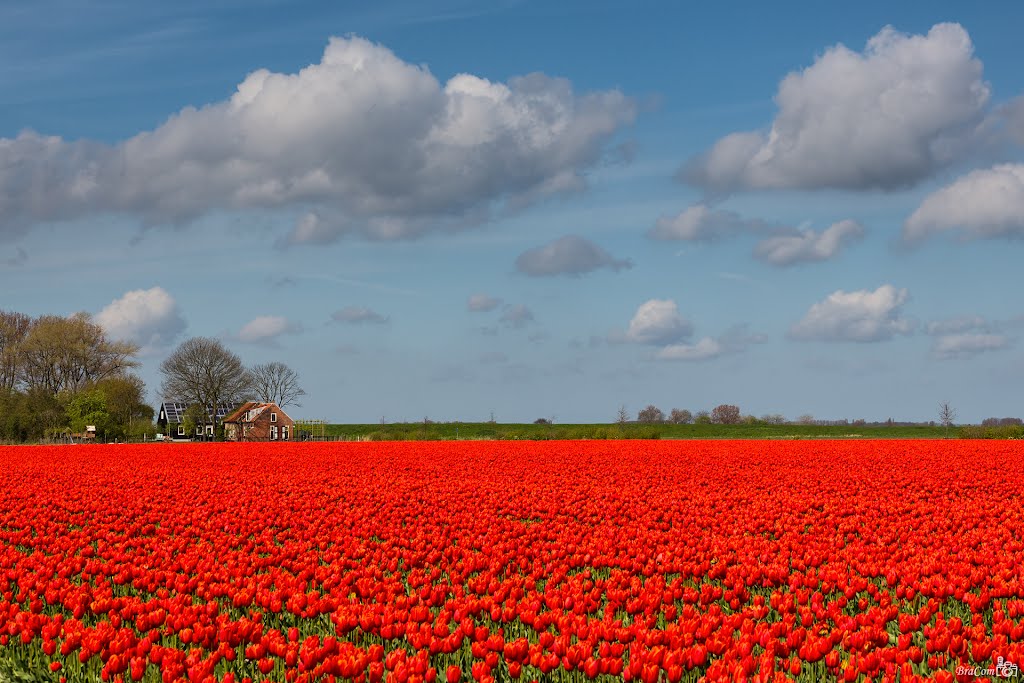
(1010,431)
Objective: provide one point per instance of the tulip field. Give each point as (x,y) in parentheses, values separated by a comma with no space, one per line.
(565,561)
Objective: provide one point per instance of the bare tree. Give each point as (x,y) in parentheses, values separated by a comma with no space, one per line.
(13,329)
(276,383)
(946,415)
(623,417)
(680,417)
(774,419)
(805,419)
(651,413)
(702,417)
(725,414)
(203,372)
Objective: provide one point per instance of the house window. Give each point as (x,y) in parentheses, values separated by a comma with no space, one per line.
(284,433)
(273,433)
(209,429)
(199,430)
(273,417)
(181,431)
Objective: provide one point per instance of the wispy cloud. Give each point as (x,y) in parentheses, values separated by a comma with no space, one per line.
(517,315)
(19,258)
(359,315)
(968,336)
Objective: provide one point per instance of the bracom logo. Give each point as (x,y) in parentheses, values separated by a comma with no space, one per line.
(1002,669)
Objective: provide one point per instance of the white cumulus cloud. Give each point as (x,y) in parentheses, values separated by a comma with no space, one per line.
(266,329)
(783,245)
(656,322)
(986,203)
(807,245)
(887,117)
(362,140)
(859,316)
(570,255)
(147,317)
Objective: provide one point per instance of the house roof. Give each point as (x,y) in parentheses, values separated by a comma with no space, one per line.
(257,409)
(175,410)
(239,411)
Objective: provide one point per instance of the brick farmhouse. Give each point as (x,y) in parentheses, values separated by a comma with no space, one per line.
(254,421)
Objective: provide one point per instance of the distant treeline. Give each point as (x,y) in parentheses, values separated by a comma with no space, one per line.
(1007,431)
(428,430)
(59,375)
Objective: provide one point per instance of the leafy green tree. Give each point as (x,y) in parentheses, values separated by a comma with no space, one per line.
(40,412)
(194,417)
(88,408)
(130,416)
(67,354)
(10,407)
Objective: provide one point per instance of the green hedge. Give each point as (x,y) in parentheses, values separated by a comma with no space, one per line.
(1001,432)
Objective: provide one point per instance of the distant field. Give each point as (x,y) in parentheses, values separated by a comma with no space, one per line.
(488,430)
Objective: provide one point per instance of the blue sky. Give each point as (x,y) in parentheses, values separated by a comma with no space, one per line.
(454,209)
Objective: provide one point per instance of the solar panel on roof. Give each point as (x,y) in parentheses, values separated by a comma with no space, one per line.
(175,411)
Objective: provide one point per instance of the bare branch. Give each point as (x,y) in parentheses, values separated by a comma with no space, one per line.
(202,371)
(276,383)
